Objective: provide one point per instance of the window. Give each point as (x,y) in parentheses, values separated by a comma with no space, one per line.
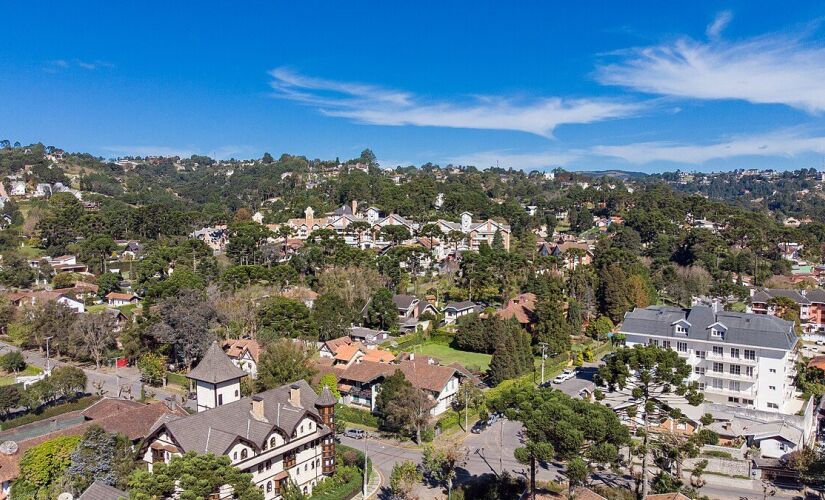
(732,399)
(244,454)
(749,371)
(236,393)
(701,386)
(734,352)
(718,368)
(681,329)
(272,442)
(268,464)
(666,344)
(301,431)
(701,354)
(716,333)
(772,370)
(734,385)
(735,369)
(772,387)
(750,354)
(681,346)
(235,456)
(268,487)
(260,468)
(773,406)
(718,383)
(718,350)
(220,399)
(748,402)
(653,342)
(699,370)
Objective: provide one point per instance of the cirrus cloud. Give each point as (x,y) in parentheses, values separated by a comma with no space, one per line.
(769,69)
(374,105)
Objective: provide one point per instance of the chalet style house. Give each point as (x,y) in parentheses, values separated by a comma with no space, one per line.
(281,435)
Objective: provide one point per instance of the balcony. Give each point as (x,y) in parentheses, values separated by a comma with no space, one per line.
(730,392)
(741,360)
(731,376)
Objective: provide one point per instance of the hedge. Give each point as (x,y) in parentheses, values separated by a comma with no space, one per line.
(351,488)
(355,416)
(52,411)
(177,379)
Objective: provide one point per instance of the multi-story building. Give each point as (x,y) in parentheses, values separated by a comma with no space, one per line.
(738,359)
(281,435)
(811,305)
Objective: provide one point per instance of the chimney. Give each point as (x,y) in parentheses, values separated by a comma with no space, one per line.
(412,356)
(170,403)
(258,409)
(295,396)
(354,206)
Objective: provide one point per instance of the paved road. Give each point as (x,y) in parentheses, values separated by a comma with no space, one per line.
(492,451)
(112,381)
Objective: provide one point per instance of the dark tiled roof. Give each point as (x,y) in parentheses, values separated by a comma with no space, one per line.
(326,398)
(404,301)
(758,330)
(766,294)
(460,306)
(102,491)
(215,430)
(215,367)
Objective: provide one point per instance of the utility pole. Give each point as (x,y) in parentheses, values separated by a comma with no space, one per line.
(543,346)
(48,365)
(466,407)
(366,466)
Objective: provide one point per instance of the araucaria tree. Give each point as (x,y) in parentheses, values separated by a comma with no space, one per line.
(557,426)
(657,378)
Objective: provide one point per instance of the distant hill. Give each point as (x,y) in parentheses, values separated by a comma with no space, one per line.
(619,174)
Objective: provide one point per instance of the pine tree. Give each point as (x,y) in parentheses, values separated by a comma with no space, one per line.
(503,365)
(614,292)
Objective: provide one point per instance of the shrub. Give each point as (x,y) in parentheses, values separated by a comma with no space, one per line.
(427,434)
(355,416)
(12,362)
(707,436)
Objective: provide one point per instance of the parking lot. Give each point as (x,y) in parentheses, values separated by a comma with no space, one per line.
(581,381)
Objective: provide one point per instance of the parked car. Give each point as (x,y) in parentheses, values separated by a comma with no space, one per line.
(355,433)
(479,427)
(564,376)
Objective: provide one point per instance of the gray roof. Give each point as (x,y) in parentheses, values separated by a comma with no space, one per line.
(102,491)
(326,398)
(460,306)
(801,297)
(404,301)
(215,367)
(758,330)
(216,429)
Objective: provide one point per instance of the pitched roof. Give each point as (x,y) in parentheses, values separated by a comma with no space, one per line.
(424,375)
(215,367)
(404,301)
(460,306)
(367,371)
(334,344)
(760,330)
(120,296)
(326,398)
(102,491)
(667,496)
(379,355)
(234,348)
(214,430)
(582,493)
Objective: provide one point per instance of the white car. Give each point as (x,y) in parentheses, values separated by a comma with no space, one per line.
(564,376)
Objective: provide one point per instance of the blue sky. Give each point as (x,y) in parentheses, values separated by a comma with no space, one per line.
(646,86)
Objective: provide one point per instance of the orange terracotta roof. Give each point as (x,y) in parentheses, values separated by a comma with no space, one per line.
(234,348)
(818,362)
(120,296)
(347,352)
(379,355)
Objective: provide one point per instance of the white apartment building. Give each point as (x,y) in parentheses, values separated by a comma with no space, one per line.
(281,435)
(738,359)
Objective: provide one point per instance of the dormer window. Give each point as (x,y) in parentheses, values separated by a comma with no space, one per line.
(680,329)
(715,332)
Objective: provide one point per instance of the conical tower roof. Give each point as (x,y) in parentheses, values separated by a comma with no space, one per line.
(326,398)
(215,367)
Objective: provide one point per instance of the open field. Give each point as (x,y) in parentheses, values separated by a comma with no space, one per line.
(447,355)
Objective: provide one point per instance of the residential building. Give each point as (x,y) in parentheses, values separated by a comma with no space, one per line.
(736,358)
(217,379)
(279,436)
(811,305)
(117,299)
(99,490)
(455,310)
(360,383)
(31,298)
(521,307)
(244,354)
(476,232)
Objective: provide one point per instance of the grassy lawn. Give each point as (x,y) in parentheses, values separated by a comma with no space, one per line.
(447,355)
(9,379)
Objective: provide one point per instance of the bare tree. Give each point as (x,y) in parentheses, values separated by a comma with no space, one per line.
(94,334)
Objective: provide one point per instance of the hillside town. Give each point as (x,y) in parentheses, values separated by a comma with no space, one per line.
(412,251)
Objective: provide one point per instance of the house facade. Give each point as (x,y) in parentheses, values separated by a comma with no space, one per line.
(811,305)
(279,436)
(737,359)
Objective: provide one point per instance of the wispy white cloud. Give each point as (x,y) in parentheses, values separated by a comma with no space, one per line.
(720,22)
(376,105)
(522,161)
(65,64)
(778,144)
(770,69)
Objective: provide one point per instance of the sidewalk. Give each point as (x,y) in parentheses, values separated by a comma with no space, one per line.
(373,486)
